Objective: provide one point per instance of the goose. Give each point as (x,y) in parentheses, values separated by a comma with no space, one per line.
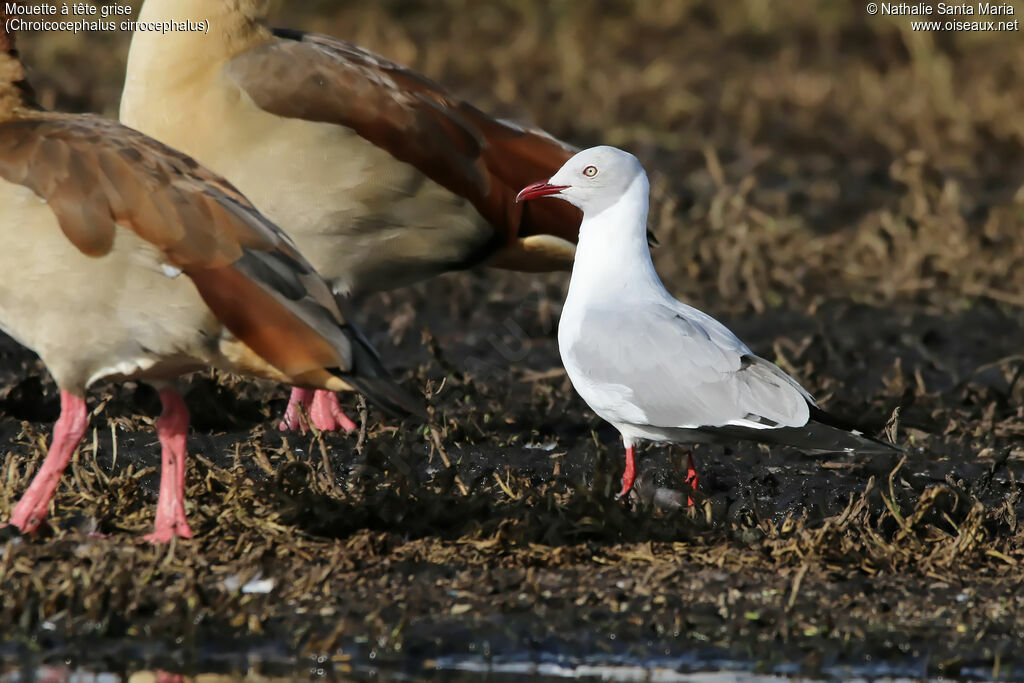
(124,259)
(381,176)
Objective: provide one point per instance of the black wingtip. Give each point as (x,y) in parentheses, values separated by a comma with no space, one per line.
(390,397)
(871,444)
(823,433)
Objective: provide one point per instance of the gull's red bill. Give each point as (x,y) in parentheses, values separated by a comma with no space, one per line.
(541,189)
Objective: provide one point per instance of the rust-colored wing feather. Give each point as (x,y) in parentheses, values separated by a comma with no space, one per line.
(318,78)
(96,174)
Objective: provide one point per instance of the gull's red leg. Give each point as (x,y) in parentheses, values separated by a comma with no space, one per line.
(692,478)
(67,433)
(172,428)
(629,473)
(327,414)
(293,418)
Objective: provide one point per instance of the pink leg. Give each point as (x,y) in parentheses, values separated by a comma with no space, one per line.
(293,418)
(327,415)
(628,474)
(172,428)
(692,478)
(67,432)
(321,406)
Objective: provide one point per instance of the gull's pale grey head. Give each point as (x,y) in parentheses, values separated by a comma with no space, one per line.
(592,180)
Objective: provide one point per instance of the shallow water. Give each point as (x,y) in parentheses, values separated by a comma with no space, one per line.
(145,662)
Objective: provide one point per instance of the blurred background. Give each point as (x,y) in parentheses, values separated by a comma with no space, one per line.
(799,151)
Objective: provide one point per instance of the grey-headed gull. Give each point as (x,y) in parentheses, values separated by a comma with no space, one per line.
(650,365)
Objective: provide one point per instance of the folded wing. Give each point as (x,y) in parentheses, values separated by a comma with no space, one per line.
(96,175)
(674,367)
(322,79)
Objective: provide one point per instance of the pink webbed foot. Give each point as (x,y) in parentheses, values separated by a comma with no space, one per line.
(293,417)
(323,409)
(168,532)
(327,414)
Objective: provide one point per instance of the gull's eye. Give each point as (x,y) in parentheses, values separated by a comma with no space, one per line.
(590,171)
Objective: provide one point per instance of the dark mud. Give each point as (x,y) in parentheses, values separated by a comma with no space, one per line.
(821,185)
(379,553)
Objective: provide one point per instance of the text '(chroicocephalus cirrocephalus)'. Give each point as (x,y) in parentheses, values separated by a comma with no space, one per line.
(652,366)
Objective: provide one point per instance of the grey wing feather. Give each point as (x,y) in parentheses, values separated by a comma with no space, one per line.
(669,365)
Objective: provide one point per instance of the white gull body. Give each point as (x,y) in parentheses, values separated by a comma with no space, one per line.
(650,365)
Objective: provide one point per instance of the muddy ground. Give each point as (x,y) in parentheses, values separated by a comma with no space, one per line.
(846,194)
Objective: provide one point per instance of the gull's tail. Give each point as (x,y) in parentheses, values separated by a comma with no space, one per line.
(823,433)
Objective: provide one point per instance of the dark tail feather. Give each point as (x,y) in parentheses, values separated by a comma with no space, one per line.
(373,381)
(389,396)
(823,433)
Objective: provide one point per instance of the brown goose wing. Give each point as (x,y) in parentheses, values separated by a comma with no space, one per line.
(96,174)
(318,78)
